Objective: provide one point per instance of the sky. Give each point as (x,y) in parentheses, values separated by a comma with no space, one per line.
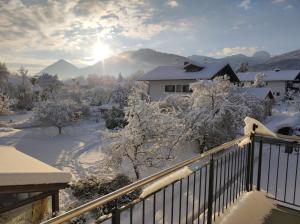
(36,33)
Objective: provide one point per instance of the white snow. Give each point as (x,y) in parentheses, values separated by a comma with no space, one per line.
(283,75)
(173,72)
(254,206)
(180,174)
(261,92)
(260,128)
(17,168)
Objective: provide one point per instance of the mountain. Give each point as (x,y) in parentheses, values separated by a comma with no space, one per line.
(62,68)
(235,60)
(290,60)
(131,61)
(126,63)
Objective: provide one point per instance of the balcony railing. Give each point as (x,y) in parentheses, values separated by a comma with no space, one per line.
(218,178)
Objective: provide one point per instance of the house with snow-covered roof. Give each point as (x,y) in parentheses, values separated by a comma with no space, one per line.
(279,81)
(176,79)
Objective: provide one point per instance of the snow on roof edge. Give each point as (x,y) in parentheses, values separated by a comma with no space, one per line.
(17,168)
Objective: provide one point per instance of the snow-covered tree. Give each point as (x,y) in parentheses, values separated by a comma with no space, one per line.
(5,103)
(50,85)
(259,80)
(149,138)
(119,95)
(25,94)
(214,116)
(58,113)
(4,73)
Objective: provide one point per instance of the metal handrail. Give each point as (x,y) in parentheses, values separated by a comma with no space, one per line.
(138,184)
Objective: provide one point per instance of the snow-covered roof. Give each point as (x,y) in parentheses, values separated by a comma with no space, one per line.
(284,75)
(176,72)
(261,93)
(17,168)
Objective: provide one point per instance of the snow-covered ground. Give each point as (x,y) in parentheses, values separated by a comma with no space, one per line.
(80,148)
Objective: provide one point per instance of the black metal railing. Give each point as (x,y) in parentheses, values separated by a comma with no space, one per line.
(277,169)
(218,178)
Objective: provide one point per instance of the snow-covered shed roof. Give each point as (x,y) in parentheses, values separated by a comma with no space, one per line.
(17,168)
(177,72)
(276,75)
(261,92)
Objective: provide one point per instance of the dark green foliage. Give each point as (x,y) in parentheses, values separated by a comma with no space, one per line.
(92,187)
(114,119)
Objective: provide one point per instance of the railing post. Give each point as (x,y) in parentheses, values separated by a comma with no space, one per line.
(248,167)
(116,217)
(210,191)
(252,162)
(259,165)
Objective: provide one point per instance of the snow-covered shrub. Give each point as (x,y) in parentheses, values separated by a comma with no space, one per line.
(92,187)
(58,113)
(114,119)
(150,136)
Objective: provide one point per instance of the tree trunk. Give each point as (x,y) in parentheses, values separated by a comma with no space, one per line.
(59,130)
(136,171)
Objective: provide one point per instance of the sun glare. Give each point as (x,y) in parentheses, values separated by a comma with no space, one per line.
(100,51)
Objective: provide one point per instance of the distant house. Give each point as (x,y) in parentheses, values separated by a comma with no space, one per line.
(171,79)
(263,93)
(28,187)
(279,81)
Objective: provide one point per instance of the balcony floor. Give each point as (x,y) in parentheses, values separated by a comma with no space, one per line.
(255,208)
(281,214)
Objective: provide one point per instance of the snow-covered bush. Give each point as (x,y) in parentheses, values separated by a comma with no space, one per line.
(114,119)
(150,136)
(58,113)
(92,187)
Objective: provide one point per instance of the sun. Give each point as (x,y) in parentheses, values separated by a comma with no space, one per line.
(100,51)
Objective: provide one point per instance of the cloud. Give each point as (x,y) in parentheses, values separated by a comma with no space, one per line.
(245,4)
(72,27)
(288,7)
(228,51)
(172,3)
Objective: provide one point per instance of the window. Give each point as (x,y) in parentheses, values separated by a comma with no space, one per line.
(170,88)
(178,88)
(186,88)
(278,94)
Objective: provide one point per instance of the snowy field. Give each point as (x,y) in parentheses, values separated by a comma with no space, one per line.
(79,149)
